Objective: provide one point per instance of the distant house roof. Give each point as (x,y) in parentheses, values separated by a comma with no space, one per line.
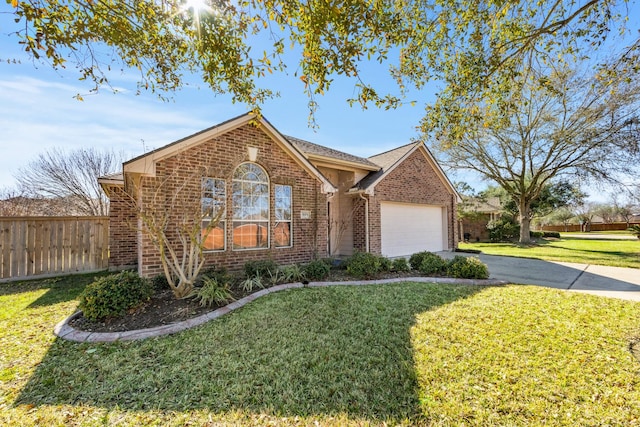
(491,205)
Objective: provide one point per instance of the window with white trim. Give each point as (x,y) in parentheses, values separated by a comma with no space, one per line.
(214,201)
(282,231)
(250,203)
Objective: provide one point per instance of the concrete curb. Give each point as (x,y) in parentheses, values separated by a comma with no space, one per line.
(65,331)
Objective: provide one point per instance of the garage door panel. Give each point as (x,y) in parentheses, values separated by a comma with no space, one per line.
(410,228)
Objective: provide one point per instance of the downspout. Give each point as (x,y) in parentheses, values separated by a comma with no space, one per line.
(366,221)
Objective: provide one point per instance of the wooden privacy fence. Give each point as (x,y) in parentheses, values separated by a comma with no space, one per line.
(36,246)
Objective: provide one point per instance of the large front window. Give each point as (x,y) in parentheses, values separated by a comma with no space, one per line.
(250,194)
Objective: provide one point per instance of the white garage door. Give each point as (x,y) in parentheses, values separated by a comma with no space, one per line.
(410,228)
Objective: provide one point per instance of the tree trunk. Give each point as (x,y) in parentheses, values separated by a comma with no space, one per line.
(182,290)
(525,221)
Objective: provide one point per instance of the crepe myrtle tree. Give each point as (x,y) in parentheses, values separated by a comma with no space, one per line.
(473,48)
(563,122)
(177,211)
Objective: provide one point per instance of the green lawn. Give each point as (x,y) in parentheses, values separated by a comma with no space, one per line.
(617,253)
(412,354)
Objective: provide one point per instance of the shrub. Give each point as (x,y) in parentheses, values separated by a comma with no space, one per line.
(251,283)
(551,234)
(113,295)
(263,268)
(536,234)
(220,274)
(467,268)
(502,229)
(316,270)
(433,264)
(364,265)
(292,273)
(212,292)
(160,282)
(416,259)
(400,265)
(385,264)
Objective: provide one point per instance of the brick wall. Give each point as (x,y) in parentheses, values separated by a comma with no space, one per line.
(122,230)
(180,179)
(476,227)
(413,181)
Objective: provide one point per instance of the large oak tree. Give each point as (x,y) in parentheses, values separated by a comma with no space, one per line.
(556,123)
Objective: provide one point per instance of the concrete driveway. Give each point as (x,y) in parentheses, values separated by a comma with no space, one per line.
(615,282)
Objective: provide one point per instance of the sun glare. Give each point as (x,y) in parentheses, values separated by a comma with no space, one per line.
(197,8)
(196,5)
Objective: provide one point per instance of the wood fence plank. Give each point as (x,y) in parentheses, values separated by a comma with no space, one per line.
(17,256)
(29,249)
(5,245)
(60,249)
(37,247)
(45,230)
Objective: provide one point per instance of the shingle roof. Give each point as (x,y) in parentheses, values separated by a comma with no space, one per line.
(385,161)
(309,148)
(117,176)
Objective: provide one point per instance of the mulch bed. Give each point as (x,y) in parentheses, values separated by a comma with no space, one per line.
(163,309)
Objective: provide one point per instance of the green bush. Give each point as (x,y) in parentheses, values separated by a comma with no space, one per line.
(252,283)
(467,268)
(316,270)
(160,282)
(416,259)
(551,234)
(113,295)
(364,265)
(262,268)
(220,274)
(433,264)
(212,292)
(400,265)
(536,234)
(385,264)
(503,229)
(292,273)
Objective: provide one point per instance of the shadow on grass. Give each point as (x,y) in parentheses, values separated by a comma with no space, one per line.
(304,352)
(59,289)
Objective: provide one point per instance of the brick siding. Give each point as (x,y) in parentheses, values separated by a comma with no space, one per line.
(179,178)
(413,181)
(123,246)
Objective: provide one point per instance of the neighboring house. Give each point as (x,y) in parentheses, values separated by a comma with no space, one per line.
(477,214)
(286,199)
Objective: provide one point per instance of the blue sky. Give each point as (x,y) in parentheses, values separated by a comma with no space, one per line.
(38,112)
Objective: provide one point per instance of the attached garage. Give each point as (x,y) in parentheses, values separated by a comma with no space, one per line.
(408,228)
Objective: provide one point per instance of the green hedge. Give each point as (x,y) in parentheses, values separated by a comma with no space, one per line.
(113,295)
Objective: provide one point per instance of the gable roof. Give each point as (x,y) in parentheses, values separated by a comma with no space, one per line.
(389,160)
(145,164)
(319,152)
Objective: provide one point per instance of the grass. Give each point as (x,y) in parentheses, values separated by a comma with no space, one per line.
(408,354)
(617,253)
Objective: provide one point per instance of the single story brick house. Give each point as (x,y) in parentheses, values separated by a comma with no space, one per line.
(282,198)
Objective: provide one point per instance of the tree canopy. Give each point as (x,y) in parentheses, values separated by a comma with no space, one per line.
(560,123)
(472,47)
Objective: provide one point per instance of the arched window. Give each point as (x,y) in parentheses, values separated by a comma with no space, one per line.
(250,195)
